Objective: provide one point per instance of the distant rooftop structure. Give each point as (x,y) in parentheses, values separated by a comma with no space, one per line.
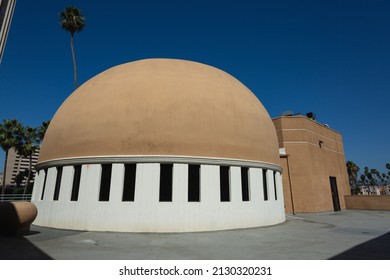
(7,8)
(309,115)
(288,113)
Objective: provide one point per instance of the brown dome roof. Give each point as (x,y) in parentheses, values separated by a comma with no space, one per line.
(162,107)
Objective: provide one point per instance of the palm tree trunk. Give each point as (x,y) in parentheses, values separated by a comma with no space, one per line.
(74,62)
(28,176)
(5,169)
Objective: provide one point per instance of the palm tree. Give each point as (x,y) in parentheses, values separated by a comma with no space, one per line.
(41,130)
(363,179)
(20,177)
(27,143)
(377,175)
(72,20)
(352,170)
(383,178)
(8,131)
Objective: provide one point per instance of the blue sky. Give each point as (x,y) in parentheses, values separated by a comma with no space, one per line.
(329,57)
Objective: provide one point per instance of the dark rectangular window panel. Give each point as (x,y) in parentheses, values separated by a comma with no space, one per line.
(265,189)
(166,182)
(76,183)
(129,182)
(244,183)
(224,183)
(276,195)
(44,184)
(193,183)
(105,182)
(58,183)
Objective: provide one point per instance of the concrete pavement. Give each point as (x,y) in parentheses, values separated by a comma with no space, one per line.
(349,234)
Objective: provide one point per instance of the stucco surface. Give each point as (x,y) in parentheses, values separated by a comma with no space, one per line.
(162,107)
(370,202)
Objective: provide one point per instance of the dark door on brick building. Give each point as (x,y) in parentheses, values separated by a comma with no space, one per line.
(335,193)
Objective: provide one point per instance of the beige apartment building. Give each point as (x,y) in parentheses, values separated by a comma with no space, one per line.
(314,172)
(17,164)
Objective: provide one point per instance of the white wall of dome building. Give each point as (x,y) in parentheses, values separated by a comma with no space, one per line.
(147,213)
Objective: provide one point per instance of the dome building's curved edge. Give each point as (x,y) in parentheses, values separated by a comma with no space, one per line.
(157,159)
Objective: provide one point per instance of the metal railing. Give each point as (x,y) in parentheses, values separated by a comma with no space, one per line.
(15,197)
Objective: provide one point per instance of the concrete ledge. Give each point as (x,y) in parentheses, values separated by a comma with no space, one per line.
(16,217)
(367,202)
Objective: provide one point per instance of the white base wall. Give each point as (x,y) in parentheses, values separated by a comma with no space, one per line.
(146,213)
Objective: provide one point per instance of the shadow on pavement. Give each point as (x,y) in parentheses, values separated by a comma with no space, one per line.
(374,249)
(19,248)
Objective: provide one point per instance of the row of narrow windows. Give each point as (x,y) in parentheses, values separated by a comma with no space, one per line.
(165,187)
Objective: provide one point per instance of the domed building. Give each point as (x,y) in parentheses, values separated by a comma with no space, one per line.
(160,145)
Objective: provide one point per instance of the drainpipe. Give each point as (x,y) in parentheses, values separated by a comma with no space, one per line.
(289,181)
